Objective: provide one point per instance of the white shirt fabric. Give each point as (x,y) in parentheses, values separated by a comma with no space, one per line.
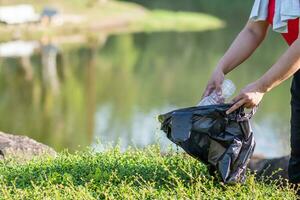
(284,11)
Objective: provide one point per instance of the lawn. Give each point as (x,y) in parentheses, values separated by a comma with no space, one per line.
(114,17)
(133,174)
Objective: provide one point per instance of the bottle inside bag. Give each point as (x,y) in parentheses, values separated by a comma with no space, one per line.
(227,90)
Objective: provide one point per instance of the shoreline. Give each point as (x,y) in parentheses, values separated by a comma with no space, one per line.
(131,18)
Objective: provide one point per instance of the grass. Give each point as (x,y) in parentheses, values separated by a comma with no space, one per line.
(163,20)
(110,18)
(134,174)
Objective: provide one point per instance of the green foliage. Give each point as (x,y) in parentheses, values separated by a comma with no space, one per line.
(113,17)
(134,174)
(163,20)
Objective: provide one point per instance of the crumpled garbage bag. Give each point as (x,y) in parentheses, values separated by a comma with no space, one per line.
(224,142)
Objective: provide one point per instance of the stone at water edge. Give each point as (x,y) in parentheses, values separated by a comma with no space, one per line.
(274,168)
(22,147)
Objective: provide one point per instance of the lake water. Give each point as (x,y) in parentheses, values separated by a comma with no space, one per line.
(72,95)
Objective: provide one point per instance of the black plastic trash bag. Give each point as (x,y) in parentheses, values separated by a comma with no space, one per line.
(224,142)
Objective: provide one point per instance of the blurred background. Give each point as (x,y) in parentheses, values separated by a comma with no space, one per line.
(75,72)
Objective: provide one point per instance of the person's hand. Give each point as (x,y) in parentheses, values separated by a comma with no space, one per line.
(214,84)
(249,97)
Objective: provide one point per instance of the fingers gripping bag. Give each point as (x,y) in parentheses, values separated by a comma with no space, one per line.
(225,143)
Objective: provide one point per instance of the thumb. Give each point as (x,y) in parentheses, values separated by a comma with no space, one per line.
(207,91)
(219,89)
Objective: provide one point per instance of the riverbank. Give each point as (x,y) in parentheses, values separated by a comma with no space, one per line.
(91,18)
(134,174)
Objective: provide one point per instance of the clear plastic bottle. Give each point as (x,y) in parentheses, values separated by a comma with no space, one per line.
(227,90)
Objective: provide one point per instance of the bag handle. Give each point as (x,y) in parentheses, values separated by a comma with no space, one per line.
(242,116)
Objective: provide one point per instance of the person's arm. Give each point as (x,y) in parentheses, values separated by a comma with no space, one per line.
(242,47)
(285,67)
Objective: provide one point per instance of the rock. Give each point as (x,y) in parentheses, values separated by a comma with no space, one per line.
(274,168)
(22,148)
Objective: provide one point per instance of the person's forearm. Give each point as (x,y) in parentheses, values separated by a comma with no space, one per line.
(243,46)
(285,67)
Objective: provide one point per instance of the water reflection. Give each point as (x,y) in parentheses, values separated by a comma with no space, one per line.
(49,54)
(112,90)
(18,48)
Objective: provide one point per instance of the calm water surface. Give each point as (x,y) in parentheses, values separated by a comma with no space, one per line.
(71,96)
